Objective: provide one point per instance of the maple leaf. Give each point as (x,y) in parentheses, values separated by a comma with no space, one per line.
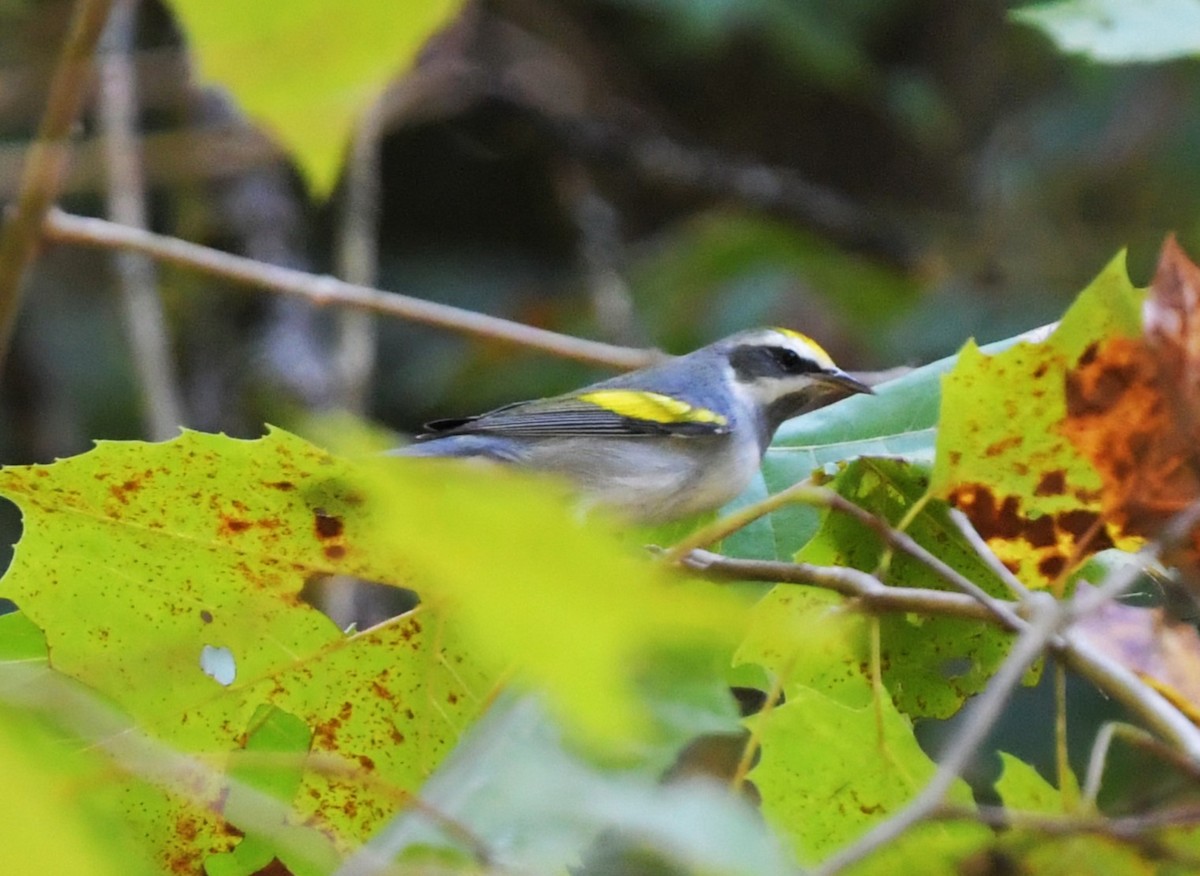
(1133,410)
(1002,457)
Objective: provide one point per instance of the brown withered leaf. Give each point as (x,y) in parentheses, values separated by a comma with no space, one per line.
(1162,651)
(1133,409)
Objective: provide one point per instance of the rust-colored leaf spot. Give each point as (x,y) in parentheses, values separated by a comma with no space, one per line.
(285,486)
(335,551)
(206,616)
(1052,483)
(121,491)
(1050,537)
(1051,567)
(381,690)
(327,525)
(234,524)
(1133,409)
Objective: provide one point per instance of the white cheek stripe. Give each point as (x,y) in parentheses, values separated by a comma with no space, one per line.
(764,392)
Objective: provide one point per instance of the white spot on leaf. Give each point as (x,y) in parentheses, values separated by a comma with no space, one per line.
(218,664)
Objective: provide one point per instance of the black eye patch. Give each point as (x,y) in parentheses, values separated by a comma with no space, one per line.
(791,362)
(751,362)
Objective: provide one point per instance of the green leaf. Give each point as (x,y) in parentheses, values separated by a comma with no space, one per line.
(1002,456)
(1022,787)
(66,821)
(20,640)
(829,771)
(137,557)
(310,73)
(940,849)
(272,762)
(1034,852)
(1119,31)
(808,638)
(931,665)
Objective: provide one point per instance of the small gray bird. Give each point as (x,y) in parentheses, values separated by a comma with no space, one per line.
(665,442)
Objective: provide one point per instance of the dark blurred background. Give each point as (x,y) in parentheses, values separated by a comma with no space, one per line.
(890,176)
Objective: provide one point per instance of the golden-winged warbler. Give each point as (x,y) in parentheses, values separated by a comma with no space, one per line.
(664,442)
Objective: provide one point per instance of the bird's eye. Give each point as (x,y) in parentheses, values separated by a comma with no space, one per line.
(792,362)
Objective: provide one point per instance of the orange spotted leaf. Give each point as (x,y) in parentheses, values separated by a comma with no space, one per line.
(1133,409)
(1002,455)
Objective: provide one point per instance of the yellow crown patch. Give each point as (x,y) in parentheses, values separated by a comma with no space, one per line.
(651,406)
(819,352)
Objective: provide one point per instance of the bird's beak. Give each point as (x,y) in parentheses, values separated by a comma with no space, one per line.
(841,380)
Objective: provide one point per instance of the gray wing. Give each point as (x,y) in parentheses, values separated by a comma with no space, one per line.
(563,417)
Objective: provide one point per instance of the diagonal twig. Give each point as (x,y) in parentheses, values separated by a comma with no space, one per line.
(325,290)
(1048,616)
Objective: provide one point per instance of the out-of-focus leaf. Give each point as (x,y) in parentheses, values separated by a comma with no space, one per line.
(1034,852)
(49,826)
(1003,456)
(61,820)
(578,610)
(943,849)
(1119,31)
(515,786)
(308,74)
(1163,651)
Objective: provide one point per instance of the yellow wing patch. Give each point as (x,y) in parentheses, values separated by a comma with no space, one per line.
(819,352)
(651,406)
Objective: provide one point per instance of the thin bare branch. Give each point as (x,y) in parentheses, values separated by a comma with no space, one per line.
(1143,831)
(1147,705)
(324,290)
(821,497)
(871,594)
(803,492)
(906,544)
(973,538)
(145,325)
(357,254)
(46,161)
